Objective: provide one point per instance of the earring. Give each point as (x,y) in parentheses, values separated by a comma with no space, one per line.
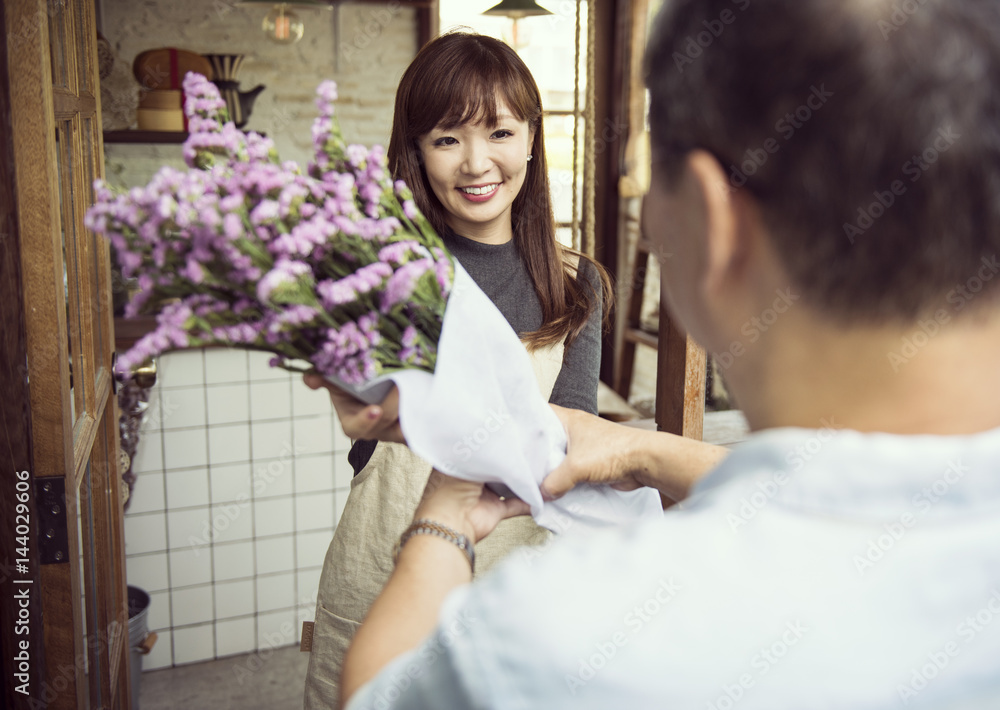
(529,158)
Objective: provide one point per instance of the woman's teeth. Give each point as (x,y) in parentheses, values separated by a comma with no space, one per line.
(480,190)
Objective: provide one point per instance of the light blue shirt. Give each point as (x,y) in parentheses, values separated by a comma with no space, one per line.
(812,569)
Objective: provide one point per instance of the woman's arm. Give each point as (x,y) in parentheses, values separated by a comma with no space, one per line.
(427,570)
(576,386)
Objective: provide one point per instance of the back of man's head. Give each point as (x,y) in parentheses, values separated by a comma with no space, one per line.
(868,131)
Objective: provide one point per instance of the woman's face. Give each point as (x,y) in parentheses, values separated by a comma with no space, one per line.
(476,171)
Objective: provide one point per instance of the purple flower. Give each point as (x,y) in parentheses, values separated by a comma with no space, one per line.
(356,155)
(284,273)
(401,252)
(336,293)
(193,272)
(402,283)
(232,226)
(409,336)
(327,90)
(240,237)
(265,213)
(444,272)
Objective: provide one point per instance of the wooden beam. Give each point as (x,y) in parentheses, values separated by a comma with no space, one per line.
(680,382)
(427,23)
(612,56)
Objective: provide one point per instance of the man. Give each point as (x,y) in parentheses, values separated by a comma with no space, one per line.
(827,180)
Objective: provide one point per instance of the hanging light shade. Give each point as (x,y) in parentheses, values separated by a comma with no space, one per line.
(281,25)
(516,9)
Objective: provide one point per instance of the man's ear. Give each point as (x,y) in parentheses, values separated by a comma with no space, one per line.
(725,234)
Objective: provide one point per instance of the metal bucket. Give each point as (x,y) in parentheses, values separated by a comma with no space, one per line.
(138,638)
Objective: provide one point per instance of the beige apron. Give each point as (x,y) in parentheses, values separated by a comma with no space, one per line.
(384,496)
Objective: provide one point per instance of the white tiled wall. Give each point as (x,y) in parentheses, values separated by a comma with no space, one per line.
(241,476)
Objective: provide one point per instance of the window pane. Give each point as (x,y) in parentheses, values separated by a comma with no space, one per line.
(548,46)
(546,43)
(97,289)
(58,22)
(85,40)
(64,160)
(559,155)
(564,235)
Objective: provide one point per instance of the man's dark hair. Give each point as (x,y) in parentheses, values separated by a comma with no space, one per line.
(869,132)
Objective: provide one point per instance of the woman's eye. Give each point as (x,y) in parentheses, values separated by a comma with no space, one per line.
(502,133)
(445,140)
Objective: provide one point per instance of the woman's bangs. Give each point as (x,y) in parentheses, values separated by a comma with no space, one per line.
(478,97)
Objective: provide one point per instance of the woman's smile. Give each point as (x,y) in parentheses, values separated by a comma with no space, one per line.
(479,193)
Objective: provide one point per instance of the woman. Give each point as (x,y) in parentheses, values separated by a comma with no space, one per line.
(467,139)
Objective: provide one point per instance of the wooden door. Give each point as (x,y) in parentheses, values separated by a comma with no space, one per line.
(61,504)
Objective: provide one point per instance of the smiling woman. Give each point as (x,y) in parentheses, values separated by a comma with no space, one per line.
(475,171)
(467,139)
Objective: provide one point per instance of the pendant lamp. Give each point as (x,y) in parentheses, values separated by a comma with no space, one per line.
(517,9)
(281,24)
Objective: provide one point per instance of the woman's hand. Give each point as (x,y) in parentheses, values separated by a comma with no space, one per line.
(360,420)
(468,507)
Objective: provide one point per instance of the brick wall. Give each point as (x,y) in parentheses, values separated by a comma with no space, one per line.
(363,47)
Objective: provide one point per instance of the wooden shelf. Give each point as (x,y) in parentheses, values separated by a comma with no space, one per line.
(145,136)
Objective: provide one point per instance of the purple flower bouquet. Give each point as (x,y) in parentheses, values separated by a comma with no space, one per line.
(333,269)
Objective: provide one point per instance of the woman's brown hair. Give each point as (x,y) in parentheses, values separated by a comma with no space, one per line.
(461,77)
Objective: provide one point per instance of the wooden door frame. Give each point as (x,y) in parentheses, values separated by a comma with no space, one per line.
(15,420)
(32,272)
(37,206)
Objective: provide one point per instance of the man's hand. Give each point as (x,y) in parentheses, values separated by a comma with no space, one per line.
(598,451)
(471,508)
(360,420)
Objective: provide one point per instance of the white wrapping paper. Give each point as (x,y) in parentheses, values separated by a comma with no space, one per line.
(480,417)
